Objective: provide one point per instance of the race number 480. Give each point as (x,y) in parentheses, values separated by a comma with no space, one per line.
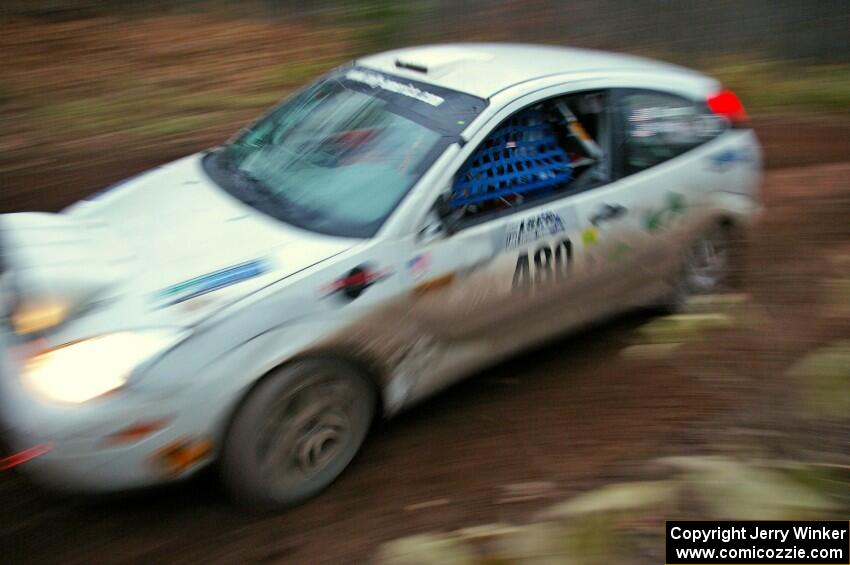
(550,264)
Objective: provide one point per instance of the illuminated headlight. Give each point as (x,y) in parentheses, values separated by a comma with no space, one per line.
(86,369)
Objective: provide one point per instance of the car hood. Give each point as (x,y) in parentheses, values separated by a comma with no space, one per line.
(168,246)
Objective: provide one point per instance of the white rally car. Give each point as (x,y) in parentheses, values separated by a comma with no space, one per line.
(399,223)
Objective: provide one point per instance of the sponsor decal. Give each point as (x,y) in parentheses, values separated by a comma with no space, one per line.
(533,228)
(419,265)
(674,125)
(590,236)
(725,159)
(658,220)
(607,213)
(379,81)
(434,284)
(211,282)
(356,281)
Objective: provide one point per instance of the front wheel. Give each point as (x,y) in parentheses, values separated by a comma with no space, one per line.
(296,432)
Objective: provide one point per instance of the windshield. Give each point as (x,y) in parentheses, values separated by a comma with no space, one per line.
(339,156)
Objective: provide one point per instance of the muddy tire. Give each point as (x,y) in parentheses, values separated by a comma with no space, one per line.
(711,264)
(295,433)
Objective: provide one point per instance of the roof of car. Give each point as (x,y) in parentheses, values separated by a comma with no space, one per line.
(483,69)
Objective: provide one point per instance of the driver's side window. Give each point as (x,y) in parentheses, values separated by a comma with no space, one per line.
(544,151)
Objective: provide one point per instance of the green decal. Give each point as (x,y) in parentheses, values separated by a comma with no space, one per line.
(652,221)
(657,220)
(676,203)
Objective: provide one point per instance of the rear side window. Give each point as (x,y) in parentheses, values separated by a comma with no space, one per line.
(659,126)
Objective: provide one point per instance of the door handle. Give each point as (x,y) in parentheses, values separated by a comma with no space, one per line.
(608,212)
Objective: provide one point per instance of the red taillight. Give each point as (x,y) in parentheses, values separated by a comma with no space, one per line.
(725,103)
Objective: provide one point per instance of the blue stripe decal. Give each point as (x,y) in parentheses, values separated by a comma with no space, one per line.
(210,282)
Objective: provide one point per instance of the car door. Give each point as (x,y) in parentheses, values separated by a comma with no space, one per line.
(477,294)
(502,278)
(486,280)
(601,242)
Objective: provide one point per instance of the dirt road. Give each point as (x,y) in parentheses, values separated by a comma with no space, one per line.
(569,415)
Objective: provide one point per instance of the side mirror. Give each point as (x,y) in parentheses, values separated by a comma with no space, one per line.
(443,222)
(442,206)
(448,215)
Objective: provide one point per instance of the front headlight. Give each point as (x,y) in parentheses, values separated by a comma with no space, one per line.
(86,369)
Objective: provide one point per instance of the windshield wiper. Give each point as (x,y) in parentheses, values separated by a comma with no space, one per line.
(257,188)
(254,191)
(246,183)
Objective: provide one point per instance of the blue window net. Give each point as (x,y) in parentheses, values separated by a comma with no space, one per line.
(521,155)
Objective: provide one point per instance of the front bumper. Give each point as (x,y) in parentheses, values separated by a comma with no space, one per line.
(73,442)
(87,466)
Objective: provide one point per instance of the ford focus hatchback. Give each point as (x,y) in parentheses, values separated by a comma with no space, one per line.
(401,222)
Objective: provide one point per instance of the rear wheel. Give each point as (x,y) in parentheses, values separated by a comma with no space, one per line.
(296,432)
(711,264)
